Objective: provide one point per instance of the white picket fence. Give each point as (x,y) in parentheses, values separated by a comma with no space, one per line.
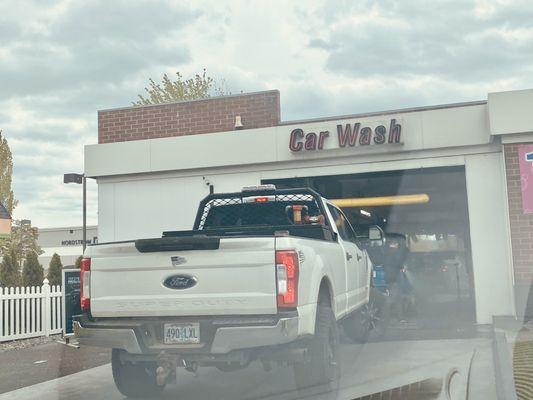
(27,312)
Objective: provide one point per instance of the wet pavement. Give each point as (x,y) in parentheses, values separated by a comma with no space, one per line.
(21,367)
(366,369)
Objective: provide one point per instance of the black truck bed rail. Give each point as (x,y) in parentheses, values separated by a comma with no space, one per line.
(209,239)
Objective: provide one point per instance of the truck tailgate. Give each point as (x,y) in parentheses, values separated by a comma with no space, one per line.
(238,277)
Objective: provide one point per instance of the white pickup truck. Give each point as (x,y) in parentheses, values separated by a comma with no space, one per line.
(265,275)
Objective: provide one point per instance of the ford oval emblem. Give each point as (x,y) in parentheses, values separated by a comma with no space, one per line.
(180,282)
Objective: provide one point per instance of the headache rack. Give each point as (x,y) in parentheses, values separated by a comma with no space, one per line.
(304,196)
(258,213)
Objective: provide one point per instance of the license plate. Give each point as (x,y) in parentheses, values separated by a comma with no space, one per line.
(181,333)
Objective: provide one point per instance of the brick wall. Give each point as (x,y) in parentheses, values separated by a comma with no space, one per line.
(521,233)
(257,110)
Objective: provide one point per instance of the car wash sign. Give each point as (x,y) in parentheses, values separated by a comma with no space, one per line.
(346,135)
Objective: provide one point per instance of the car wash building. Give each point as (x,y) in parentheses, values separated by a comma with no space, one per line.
(451,180)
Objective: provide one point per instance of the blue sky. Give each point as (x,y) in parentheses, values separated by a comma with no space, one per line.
(61,61)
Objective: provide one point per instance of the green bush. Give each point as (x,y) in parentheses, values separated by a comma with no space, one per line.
(54,270)
(9,270)
(32,271)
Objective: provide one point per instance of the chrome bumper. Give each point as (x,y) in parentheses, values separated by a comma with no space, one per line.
(244,337)
(225,339)
(104,337)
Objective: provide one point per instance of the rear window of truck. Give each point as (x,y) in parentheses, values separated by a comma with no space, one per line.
(222,213)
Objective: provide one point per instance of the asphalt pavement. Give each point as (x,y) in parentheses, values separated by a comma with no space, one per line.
(31,365)
(366,369)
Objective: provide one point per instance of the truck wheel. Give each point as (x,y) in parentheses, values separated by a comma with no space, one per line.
(320,372)
(134,380)
(358,325)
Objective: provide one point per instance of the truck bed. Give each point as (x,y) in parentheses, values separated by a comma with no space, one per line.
(318,232)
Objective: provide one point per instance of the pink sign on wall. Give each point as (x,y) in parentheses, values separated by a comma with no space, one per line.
(525,157)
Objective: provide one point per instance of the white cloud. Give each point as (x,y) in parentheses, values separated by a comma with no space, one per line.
(63,60)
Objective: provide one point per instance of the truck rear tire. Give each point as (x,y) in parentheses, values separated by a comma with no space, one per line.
(134,380)
(320,373)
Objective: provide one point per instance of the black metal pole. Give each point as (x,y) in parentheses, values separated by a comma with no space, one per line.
(84,213)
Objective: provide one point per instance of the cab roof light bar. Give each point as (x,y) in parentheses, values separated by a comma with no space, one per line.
(258,188)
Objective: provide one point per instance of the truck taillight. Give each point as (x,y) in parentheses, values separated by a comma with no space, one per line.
(85,284)
(287,278)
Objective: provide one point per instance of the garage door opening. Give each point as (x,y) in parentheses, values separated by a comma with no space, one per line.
(434,228)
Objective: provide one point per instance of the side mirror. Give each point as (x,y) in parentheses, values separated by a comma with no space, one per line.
(375,236)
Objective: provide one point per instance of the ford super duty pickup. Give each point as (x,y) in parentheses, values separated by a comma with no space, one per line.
(265,275)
